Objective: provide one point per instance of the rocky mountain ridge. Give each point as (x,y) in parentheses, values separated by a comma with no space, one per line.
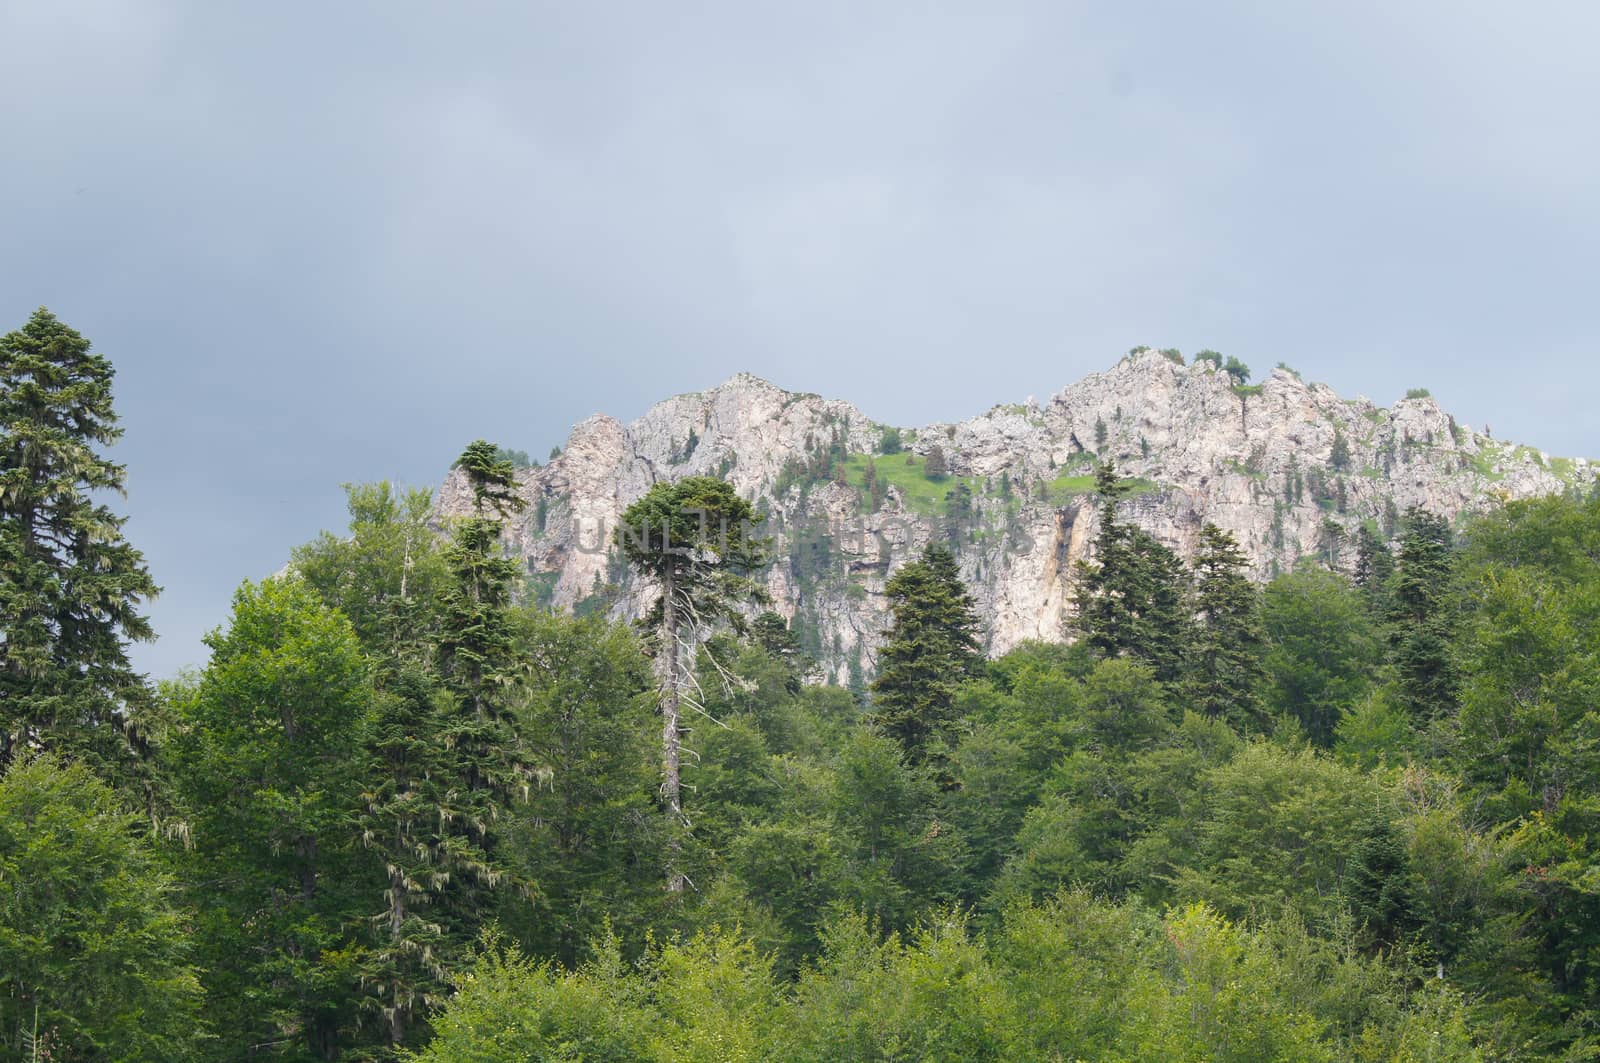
(1289,467)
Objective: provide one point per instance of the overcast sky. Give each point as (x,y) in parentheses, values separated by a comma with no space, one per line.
(336,242)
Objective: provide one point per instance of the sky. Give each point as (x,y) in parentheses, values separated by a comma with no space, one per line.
(330,243)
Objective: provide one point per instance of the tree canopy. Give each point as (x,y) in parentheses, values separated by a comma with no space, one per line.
(409,809)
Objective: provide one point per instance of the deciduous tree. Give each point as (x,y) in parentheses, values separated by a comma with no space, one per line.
(95,954)
(267,763)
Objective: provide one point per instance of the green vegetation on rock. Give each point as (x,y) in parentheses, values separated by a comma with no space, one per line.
(907,473)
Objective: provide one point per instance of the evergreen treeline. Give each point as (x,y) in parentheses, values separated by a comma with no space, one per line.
(403,813)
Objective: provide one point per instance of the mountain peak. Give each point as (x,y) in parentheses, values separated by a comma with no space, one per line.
(1289,467)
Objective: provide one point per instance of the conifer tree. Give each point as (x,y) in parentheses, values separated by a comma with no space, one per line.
(771,632)
(417,815)
(1225,658)
(935,468)
(958,513)
(72,586)
(693,539)
(476,659)
(1374,572)
(447,759)
(475,654)
(1421,623)
(1339,456)
(1131,598)
(930,647)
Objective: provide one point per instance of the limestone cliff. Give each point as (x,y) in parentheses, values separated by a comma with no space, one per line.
(1288,467)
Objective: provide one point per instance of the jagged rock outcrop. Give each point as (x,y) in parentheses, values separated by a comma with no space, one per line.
(1288,467)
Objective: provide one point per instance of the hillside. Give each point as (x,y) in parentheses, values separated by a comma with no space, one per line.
(1289,467)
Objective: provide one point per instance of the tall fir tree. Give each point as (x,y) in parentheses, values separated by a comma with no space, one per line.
(958,513)
(930,648)
(771,632)
(475,646)
(1225,655)
(1131,599)
(1421,618)
(694,540)
(1374,572)
(1339,455)
(446,752)
(73,588)
(417,816)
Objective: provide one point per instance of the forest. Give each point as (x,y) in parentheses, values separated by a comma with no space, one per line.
(404,812)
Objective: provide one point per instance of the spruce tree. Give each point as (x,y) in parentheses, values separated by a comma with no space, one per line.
(1374,569)
(771,632)
(1339,456)
(693,540)
(446,760)
(417,815)
(1105,618)
(1420,616)
(475,654)
(958,513)
(930,648)
(1225,656)
(70,600)
(1131,597)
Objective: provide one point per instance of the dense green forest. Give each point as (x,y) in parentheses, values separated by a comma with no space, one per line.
(404,813)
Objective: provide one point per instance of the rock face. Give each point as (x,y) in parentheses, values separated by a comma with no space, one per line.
(1290,468)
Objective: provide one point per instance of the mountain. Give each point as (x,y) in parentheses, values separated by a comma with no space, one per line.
(1289,467)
